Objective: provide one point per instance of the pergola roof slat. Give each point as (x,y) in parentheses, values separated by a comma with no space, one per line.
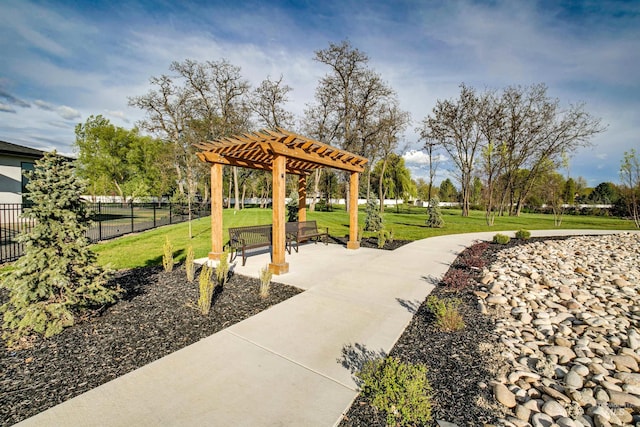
(259,148)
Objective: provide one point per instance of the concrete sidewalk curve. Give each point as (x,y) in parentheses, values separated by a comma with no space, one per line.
(290,365)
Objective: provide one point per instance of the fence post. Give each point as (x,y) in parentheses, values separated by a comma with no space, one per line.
(99,221)
(132,216)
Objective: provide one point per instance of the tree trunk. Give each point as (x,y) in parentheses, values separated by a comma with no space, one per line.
(244,192)
(316,190)
(236,205)
(381,192)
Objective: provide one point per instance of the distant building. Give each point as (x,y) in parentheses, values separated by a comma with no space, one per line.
(14,160)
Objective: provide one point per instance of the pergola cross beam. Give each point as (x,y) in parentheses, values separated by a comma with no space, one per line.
(281,152)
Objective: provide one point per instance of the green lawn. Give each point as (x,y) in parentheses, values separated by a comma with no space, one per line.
(146,248)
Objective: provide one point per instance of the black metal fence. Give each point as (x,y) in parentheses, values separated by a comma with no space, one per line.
(109,220)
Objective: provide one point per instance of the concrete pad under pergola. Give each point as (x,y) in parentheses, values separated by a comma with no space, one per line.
(280,152)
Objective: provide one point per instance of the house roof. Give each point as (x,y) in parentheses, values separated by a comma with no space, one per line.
(19,150)
(256,150)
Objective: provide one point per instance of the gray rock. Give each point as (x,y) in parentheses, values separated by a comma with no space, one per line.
(573,380)
(522,412)
(623,399)
(554,409)
(541,420)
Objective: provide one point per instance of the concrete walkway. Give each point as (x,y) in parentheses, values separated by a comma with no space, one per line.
(290,365)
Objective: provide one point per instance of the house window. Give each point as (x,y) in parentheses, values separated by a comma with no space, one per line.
(25,166)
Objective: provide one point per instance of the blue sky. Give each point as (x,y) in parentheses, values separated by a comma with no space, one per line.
(63,61)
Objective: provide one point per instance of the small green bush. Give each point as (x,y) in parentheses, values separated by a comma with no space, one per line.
(399,389)
(384,236)
(372,220)
(501,239)
(189,265)
(222,271)
(435,219)
(206,289)
(448,317)
(523,234)
(265,281)
(167,255)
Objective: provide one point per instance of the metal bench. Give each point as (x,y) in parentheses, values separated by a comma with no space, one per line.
(241,239)
(303,231)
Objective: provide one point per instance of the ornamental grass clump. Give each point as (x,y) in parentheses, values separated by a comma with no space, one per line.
(448,317)
(265,281)
(399,389)
(189,265)
(384,236)
(58,278)
(206,289)
(222,270)
(167,255)
(501,239)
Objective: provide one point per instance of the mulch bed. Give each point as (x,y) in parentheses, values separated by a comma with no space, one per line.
(157,315)
(371,242)
(457,369)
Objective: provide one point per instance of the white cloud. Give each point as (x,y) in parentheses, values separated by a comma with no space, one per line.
(63,111)
(6,108)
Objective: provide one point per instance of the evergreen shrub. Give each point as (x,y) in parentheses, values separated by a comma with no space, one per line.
(372,220)
(57,279)
(435,219)
(501,239)
(523,234)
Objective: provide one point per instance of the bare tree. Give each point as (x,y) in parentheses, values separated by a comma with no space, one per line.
(455,127)
(630,177)
(539,135)
(431,148)
(354,109)
(267,102)
(201,101)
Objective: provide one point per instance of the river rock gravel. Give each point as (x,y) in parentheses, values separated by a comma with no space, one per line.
(552,337)
(567,323)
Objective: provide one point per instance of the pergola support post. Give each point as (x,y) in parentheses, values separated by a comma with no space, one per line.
(216,211)
(302,198)
(353,242)
(278,264)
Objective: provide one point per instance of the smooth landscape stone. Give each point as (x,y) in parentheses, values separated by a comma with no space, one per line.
(504,395)
(554,409)
(573,380)
(633,339)
(621,398)
(564,352)
(566,422)
(541,420)
(522,412)
(628,378)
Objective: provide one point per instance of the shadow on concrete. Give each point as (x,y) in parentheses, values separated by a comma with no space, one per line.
(411,306)
(354,356)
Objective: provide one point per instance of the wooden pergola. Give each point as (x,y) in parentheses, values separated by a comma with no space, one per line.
(280,152)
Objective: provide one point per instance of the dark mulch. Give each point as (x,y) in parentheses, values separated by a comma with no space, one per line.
(456,366)
(157,316)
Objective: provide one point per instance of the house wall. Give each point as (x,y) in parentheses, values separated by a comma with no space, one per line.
(11,178)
